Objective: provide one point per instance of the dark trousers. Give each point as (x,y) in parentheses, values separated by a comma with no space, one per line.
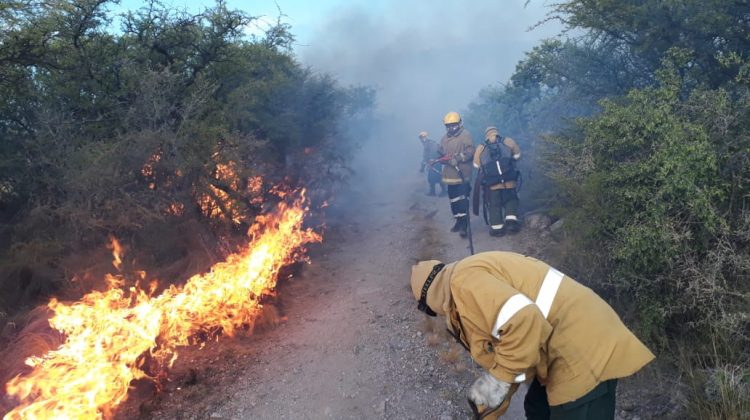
(434,178)
(459,198)
(503,207)
(598,404)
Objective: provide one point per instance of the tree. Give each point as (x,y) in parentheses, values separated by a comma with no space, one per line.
(648,29)
(179,125)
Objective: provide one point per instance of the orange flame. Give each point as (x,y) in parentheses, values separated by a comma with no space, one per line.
(175,209)
(116,248)
(148,170)
(218,203)
(108,333)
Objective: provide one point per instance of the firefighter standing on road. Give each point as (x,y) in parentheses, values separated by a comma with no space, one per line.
(496,161)
(457,149)
(521,320)
(429,155)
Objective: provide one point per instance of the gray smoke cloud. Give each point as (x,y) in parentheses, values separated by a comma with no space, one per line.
(425,58)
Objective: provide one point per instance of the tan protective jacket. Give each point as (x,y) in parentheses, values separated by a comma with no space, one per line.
(520,317)
(515,150)
(461,147)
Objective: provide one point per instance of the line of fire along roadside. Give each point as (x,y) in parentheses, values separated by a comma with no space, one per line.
(108,334)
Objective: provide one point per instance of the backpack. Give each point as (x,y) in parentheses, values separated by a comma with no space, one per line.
(501,167)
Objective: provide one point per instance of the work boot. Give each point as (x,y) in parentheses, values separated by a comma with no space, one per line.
(497,232)
(463,227)
(456,226)
(513,226)
(431,193)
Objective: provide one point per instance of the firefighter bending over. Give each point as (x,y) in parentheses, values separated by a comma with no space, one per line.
(522,321)
(498,176)
(456,150)
(430,164)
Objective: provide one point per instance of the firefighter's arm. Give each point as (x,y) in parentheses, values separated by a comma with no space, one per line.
(475,297)
(467,151)
(520,336)
(513,147)
(506,327)
(477,156)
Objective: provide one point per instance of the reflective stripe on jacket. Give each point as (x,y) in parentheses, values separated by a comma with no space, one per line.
(520,317)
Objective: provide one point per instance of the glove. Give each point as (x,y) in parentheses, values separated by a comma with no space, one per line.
(453,162)
(488,391)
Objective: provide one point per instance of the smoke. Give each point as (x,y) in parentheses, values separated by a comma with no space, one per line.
(425,58)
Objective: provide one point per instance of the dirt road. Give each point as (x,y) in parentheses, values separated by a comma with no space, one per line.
(343,339)
(349,342)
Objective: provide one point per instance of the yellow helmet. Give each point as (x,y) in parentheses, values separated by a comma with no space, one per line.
(423,135)
(452,118)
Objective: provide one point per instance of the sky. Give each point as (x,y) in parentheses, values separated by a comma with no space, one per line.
(424,57)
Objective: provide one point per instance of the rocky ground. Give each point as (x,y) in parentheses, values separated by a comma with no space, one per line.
(344,338)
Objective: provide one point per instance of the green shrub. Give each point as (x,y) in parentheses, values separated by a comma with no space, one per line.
(164,125)
(651,190)
(656,198)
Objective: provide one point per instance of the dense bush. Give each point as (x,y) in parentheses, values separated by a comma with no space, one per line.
(641,124)
(659,206)
(161,129)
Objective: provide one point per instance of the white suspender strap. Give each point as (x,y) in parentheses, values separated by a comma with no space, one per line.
(548,290)
(519,301)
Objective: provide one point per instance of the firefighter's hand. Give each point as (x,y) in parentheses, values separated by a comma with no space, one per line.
(488,391)
(453,162)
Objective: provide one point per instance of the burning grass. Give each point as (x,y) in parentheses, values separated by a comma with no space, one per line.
(126,334)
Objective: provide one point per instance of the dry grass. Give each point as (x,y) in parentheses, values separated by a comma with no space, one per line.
(459,367)
(433,330)
(433,339)
(720,393)
(266,319)
(35,339)
(428,325)
(430,243)
(429,240)
(451,356)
